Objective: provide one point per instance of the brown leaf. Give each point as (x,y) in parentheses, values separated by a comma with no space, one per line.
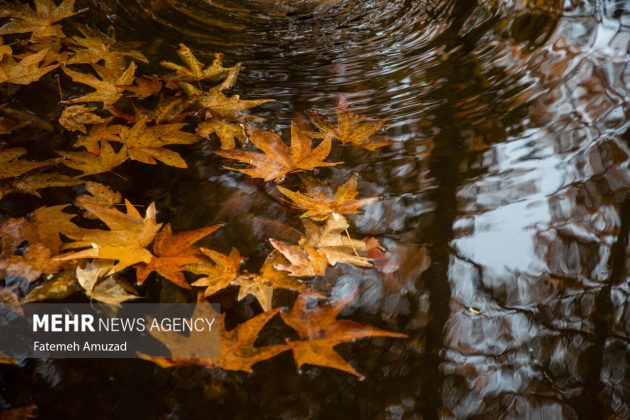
(102,287)
(172,253)
(320,204)
(277,158)
(350,129)
(218,274)
(32,183)
(144,87)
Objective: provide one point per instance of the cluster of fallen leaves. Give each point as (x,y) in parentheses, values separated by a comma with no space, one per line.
(116,115)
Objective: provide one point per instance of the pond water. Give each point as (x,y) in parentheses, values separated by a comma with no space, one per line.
(505,214)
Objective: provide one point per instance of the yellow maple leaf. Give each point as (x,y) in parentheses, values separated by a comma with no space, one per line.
(91,164)
(41,22)
(25,71)
(126,241)
(107,90)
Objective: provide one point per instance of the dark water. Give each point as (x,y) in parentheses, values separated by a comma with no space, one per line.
(506,210)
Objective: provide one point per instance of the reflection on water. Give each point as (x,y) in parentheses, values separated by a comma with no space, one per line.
(505,212)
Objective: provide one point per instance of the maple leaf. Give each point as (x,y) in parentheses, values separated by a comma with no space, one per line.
(145,143)
(225,271)
(90,164)
(32,183)
(320,204)
(304,261)
(262,284)
(126,241)
(219,274)
(41,21)
(320,244)
(224,130)
(237,350)
(99,195)
(172,253)
(321,331)
(95,47)
(167,110)
(350,129)
(277,158)
(194,71)
(98,133)
(11,166)
(333,241)
(76,117)
(40,232)
(227,106)
(110,290)
(106,89)
(144,87)
(24,71)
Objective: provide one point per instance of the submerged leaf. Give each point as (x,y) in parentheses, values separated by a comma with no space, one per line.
(106,88)
(76,117)
(41,21)
(24,72)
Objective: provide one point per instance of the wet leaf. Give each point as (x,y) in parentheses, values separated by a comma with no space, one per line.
(228,106)
(320,204)
(350,129)
(95,47)
(106,88)
(224,130)
(99,195)
(218,274)
(22,413)
(126,241)
(11,166)
(321,331)
(194,71)
(277,158)
(102,287)
(76,117)
(143,87)
(304,261)
(25,71)
(98,133)
(145,143)
(41,22)
(32,183)
(91,164)
(172,253)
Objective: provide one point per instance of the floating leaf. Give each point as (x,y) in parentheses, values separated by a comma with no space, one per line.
(172,253)
(59,287)
(194,71)
(11,166)
(126,241)
(24,72)
(320,204)
(99,195)
(277,158)
(41,21)
(224,130)
(350,129)
(90,164)
(106,89)
(76,117)
(110,290)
